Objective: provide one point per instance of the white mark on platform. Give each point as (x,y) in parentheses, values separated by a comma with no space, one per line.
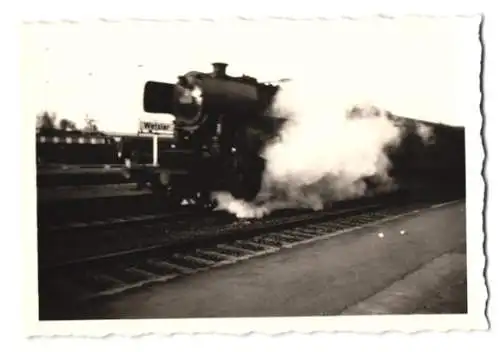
(381,234)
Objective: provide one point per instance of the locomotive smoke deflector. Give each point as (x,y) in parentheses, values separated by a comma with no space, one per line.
(158,97)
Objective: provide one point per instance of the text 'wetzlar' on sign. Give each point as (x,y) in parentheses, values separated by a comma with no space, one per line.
(156,127)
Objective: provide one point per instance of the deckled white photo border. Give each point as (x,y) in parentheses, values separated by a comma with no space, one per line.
(477,293)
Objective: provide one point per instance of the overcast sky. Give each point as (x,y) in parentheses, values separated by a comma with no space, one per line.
(416,67)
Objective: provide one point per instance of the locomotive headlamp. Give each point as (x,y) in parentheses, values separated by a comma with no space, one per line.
(164,178)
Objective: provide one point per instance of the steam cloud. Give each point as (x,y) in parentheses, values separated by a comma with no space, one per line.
(325,153)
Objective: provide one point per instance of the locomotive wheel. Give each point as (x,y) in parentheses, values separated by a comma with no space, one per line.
(245,179)
(175,191)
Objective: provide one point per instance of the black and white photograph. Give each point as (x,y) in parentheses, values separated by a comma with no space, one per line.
(312,175)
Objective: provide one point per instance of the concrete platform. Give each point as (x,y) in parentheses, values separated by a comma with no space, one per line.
(358,272)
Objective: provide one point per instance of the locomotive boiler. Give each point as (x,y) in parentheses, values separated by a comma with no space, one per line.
(221,125)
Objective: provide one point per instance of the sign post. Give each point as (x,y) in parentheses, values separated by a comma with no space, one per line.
(155,150)
(156,130)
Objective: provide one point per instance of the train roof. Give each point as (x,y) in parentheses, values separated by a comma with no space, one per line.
(439,125)
(53,132)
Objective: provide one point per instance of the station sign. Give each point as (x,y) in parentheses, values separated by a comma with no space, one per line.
(156,127)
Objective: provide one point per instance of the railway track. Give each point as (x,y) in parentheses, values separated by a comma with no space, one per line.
(116,222)
(119,272)
(59,244)
(70,214)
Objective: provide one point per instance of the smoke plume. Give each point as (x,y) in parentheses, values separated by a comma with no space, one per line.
(327,151)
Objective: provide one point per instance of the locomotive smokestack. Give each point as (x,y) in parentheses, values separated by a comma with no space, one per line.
(219,69)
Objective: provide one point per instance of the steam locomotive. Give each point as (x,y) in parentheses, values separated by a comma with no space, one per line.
(222,124)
